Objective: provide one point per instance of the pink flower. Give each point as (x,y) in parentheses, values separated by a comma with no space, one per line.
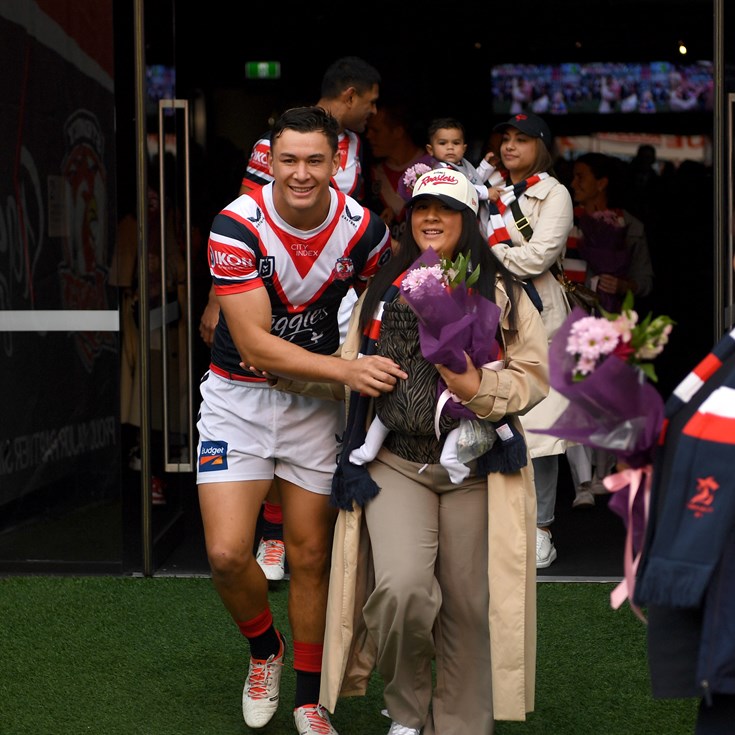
(611,217)
(420,279)
(590,340)
(412,174)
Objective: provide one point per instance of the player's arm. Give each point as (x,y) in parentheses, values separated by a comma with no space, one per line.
(248,316)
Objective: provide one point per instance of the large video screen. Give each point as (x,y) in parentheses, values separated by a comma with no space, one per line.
(600,87)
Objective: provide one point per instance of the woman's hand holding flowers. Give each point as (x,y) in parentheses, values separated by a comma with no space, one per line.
(463,385)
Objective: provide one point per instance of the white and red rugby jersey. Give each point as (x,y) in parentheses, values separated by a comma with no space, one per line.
(306,273)
(348,179)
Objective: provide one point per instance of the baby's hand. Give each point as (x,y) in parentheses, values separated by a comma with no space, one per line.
(493,193)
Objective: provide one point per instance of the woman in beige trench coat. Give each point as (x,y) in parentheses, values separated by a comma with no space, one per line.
(501,681)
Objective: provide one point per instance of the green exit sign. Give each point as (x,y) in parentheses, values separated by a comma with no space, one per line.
(263,70)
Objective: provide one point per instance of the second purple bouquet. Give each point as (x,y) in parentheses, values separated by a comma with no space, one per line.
(453,317)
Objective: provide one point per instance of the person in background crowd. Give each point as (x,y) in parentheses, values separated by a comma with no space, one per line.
(608,251)
(431,538)
(610,270)
(545,203)
(390,133)
(124,275)
(349,92)
(279,310)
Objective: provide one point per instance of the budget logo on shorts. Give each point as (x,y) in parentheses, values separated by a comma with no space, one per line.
(213,456)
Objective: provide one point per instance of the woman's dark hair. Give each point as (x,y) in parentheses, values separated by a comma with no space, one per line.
(471,243)
(307,120)
(544,159)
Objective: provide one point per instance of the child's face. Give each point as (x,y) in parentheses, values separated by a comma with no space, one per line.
(447,144)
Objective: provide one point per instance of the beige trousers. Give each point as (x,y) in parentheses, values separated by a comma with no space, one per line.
(429,545)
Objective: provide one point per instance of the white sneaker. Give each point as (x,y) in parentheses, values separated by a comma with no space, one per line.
(312,719)
(271,556)
(261,692)
(397,729)
(545,550)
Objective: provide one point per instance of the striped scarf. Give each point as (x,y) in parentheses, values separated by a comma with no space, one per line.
(351,482)
(574,265)
(690,386)
(694,487)
(497,231)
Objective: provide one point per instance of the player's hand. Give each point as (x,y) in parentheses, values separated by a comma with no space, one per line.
(373,375)
(210,317)
(260,373)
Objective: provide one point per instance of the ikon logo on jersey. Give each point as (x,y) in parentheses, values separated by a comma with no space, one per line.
(213,456)
(226,261)
(259,158)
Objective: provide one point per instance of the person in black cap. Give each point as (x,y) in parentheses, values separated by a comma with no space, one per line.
(530,124)
(528,234)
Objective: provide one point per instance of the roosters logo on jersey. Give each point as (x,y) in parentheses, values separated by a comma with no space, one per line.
(344,269)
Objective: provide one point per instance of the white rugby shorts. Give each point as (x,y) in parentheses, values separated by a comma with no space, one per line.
(250,431)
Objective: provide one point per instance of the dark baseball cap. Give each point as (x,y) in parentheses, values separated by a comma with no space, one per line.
(529,124)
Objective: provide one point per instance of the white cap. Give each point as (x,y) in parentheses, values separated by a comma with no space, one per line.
(452,187)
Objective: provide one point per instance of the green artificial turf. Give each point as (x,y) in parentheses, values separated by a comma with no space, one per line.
(160,656)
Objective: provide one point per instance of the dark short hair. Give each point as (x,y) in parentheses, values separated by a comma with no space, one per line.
(441,123)
(600,164)
(349,71)
(312,119)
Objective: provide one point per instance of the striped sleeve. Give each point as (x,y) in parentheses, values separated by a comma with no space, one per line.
(257,171)
(233,254)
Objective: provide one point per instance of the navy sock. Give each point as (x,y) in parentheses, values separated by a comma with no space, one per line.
(272,531)
(307,687)
(265,645)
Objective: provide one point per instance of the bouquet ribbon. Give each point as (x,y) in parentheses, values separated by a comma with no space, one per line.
(635,514)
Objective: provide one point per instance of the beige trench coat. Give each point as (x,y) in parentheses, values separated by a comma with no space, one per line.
(349,653)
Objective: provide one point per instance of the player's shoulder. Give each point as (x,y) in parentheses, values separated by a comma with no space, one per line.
(243,213)
(360,217)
